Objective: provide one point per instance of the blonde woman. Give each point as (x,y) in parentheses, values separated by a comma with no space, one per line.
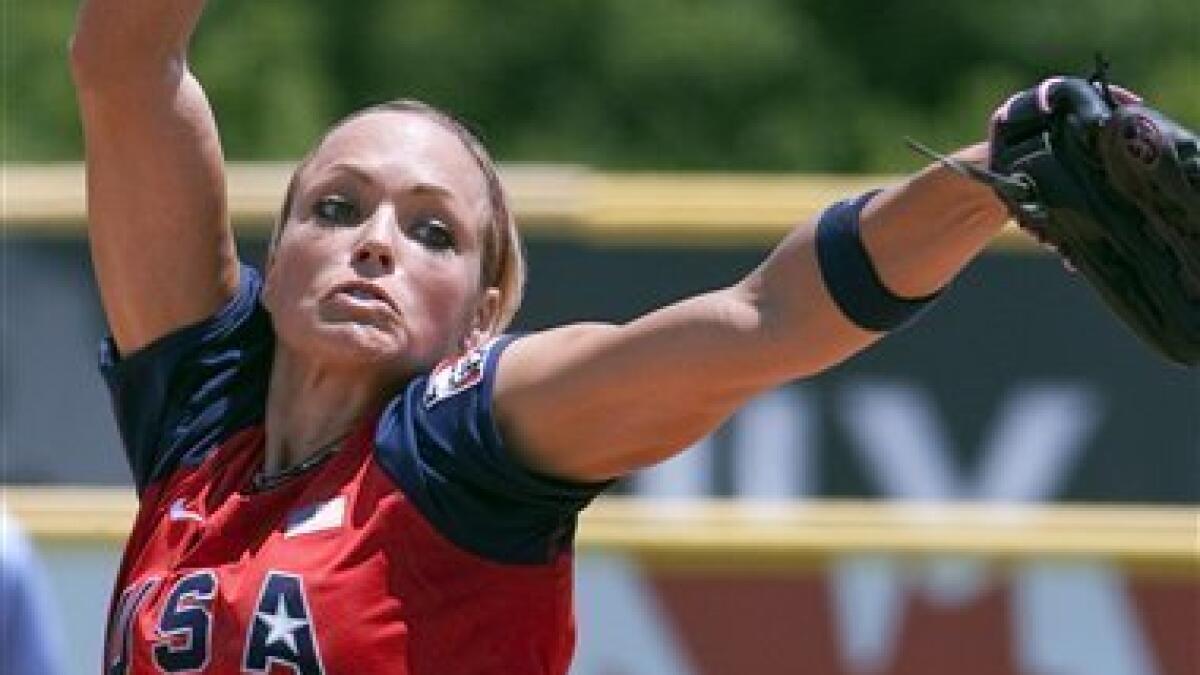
(345,465)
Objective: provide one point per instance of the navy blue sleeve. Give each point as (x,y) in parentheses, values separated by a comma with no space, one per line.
(175,399)
(439,442)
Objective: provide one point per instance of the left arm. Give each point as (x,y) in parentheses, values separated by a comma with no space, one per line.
(921,233)
(594,401)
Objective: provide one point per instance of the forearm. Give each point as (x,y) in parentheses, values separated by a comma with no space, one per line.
(916,236)
(128,39)
(162,248)
(921,233)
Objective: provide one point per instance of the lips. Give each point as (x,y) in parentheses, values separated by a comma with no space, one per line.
(364,292)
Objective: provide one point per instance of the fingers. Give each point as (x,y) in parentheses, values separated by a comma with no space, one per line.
(1027,112)
(1001,113)
(1053,91)
(1123,96)
(1020,117)
(1045,90)
(999,116)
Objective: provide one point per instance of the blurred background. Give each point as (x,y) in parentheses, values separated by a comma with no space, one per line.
(777,85)
(652,147)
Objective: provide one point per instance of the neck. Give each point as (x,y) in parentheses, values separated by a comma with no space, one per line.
(311,407)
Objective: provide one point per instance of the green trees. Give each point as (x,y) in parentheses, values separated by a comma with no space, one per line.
(704,84)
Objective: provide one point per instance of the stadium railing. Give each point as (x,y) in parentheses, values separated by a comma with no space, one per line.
(550,200)
(1159,537)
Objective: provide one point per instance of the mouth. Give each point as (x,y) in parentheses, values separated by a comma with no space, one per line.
(365,294)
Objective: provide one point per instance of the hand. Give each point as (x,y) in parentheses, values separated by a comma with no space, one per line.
(1027,114)
(1114,187)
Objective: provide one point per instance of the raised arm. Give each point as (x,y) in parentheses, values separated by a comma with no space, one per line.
(596,401)
(157,219)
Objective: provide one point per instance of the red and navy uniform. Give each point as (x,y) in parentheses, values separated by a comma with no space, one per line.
(420,547)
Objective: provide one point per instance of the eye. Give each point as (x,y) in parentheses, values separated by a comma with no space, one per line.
(433,233)
(336,209)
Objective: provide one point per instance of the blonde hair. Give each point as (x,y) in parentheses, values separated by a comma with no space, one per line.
(502,263)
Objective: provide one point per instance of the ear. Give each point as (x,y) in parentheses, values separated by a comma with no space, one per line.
(484,323)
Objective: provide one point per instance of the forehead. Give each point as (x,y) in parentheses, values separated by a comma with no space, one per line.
(402,148)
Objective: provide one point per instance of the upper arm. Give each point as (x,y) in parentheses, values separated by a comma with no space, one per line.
(157,220)
(594,401)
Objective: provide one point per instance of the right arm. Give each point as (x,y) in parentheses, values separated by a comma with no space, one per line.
(158,224)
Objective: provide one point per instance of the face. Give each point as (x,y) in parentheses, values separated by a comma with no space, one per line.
(378,264)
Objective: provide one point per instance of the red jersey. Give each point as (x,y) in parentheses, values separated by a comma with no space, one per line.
(420,547)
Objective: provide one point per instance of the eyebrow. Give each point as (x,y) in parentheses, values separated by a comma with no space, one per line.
(416,188)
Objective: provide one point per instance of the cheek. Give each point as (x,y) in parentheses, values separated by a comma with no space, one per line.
(291,290)
(295,269)
(445,293)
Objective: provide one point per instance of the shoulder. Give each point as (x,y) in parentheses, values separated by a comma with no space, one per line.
(188,390)
(440,443)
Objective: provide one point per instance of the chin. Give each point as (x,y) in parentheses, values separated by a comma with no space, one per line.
(352,346)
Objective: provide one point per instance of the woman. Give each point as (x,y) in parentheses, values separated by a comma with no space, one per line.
(318,494)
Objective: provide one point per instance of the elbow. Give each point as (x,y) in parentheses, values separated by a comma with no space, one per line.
(98,62)
(81,54)
(92,62)
(90,49)
(93,47)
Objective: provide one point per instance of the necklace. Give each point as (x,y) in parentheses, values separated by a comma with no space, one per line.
(265,481)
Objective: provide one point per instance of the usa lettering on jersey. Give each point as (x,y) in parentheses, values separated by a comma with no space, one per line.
(120,633)
(185,624)
(281,632)
(455,376)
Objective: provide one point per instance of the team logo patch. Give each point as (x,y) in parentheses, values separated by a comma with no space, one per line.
(454,376)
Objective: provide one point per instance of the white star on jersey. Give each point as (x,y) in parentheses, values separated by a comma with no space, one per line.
(281,625)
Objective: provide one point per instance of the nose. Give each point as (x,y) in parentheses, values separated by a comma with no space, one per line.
(375,249)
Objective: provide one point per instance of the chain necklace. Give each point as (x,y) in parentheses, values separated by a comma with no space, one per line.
(263,481)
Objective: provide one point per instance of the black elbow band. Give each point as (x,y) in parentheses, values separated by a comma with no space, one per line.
(851,278)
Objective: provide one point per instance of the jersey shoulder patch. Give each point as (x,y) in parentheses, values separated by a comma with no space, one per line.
(456,375)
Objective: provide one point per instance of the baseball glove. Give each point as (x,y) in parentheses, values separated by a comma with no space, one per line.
(1114,186)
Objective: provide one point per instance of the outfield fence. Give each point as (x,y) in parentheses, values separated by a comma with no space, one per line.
(721,587)
(1133,536)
